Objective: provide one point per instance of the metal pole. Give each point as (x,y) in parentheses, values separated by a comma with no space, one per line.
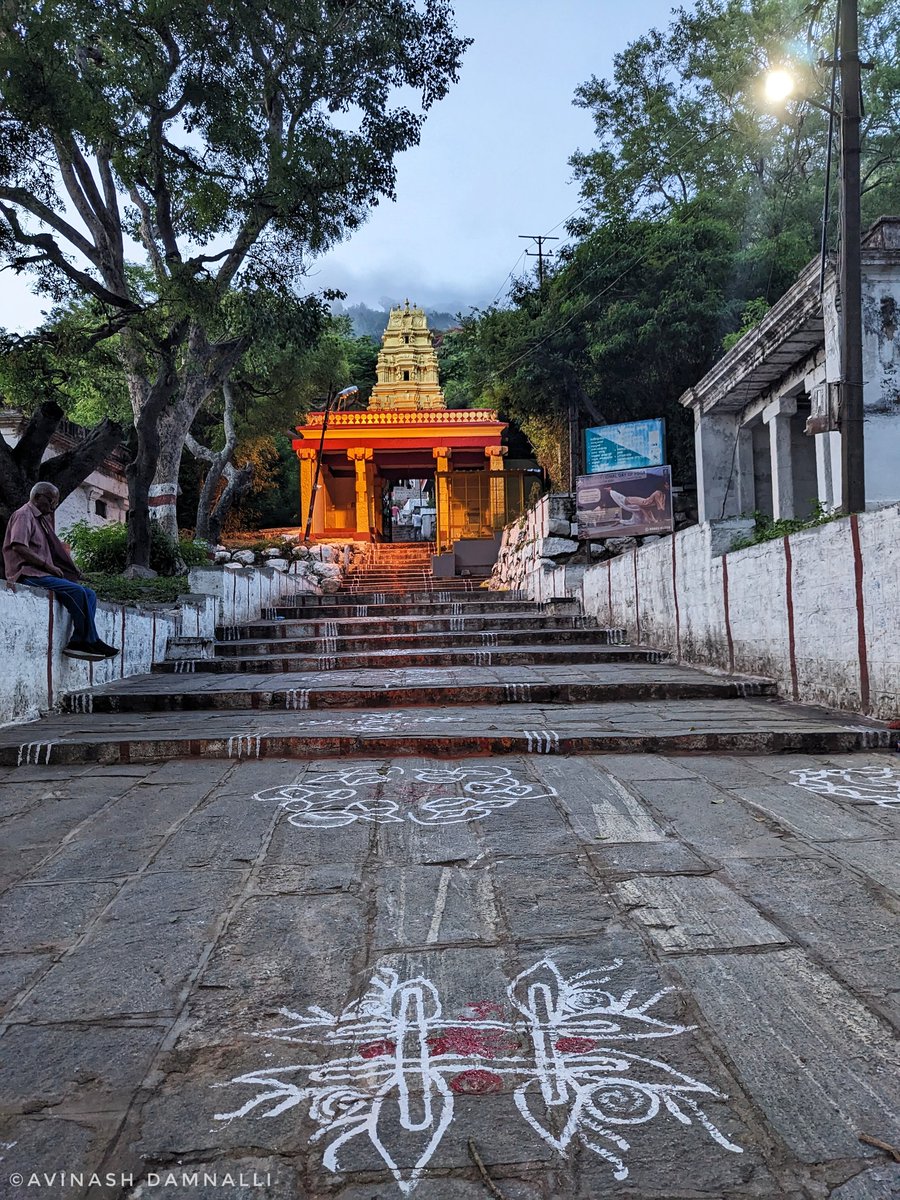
(315,485)
(853,479)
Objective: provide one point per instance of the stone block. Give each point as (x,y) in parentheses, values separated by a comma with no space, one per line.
(552,547)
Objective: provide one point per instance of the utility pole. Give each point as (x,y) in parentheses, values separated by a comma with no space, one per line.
(540,239)
(853,471)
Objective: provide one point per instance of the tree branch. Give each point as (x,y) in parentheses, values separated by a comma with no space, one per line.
(66,471)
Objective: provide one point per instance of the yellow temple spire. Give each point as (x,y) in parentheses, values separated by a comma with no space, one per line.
(407,365)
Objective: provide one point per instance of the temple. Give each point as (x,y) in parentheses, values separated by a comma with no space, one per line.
(351,461)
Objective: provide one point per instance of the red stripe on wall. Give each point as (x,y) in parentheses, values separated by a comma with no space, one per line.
(675,600)
(789,603)
(50,650)
(637,597)
(122,650)
(864,692)
(728,638)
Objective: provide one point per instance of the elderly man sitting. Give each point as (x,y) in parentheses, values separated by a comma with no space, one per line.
(34,555)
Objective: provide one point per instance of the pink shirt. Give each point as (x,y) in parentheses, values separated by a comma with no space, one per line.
(30,528)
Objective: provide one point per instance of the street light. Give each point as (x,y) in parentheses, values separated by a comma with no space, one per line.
(779,86)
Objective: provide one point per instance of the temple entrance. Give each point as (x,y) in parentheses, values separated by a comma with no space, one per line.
(408,510)
(354,465)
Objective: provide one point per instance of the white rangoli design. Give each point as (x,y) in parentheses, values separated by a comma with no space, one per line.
(878,785)
(448,796)
(400,1065)
(382,722)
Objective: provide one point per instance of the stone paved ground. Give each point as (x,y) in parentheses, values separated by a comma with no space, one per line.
(288,941)
(629,976)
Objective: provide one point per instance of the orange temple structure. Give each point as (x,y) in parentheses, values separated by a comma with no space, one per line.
(406,433)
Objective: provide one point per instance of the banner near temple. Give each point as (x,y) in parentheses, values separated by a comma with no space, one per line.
(624,447)
(624,503)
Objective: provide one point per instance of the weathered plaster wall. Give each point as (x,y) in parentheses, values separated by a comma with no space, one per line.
(34,630)
(818,611)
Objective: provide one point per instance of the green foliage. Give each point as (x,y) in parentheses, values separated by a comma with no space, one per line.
(751,315)
(699,210)
(102,549)
(766,529)
(684,116)
(119,590)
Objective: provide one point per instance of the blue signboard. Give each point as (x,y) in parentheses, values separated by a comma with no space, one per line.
(624,447)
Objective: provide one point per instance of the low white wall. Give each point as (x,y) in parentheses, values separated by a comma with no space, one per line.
(34,629)
(242,593)
(817,611)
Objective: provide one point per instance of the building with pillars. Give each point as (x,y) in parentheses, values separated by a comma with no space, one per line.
(765,419)
(406,433)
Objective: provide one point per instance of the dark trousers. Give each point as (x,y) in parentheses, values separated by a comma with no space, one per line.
(78,599)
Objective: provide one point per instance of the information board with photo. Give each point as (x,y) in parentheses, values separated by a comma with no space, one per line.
(624,503)
(625,447)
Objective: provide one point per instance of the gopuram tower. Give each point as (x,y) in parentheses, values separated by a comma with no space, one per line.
(407,365)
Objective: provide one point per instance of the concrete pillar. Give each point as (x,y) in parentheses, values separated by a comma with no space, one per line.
(361,456)
(496,486)
(724,465)
(777,416)
(828,468)
(442,495)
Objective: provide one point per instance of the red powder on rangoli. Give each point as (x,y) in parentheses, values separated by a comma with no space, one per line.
(482,1010)
(486,1043)
(575,1045)
(476,1083)
(376,1049)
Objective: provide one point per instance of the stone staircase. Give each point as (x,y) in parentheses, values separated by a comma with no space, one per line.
(400,567)
(428,672)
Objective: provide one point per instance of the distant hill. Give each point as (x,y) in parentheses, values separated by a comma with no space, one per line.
(372,322)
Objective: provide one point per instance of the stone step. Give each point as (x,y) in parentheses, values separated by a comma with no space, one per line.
(430,657)
(321,696)
(326,607)
(757,726)
(287,628)
(388,639)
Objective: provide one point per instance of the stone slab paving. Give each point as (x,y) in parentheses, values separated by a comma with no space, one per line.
(753,724)
(635,976)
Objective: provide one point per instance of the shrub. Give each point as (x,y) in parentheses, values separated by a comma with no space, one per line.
(766,529)
(102,549)
(119,590)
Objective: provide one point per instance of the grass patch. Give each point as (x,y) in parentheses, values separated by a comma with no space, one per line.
(767,530)
(119,590)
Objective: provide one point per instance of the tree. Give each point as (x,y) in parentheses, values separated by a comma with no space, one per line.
(684,118)
(224,142)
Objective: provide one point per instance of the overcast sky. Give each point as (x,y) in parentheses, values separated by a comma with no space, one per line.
(492,163)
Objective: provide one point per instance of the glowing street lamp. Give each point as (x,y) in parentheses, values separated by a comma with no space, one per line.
(779,84)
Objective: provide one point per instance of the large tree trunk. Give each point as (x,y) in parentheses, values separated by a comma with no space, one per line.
(173,429)
(164,412)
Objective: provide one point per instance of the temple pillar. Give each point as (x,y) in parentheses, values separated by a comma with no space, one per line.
(496,486)
(442,494)
(307,459)
(361,457)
